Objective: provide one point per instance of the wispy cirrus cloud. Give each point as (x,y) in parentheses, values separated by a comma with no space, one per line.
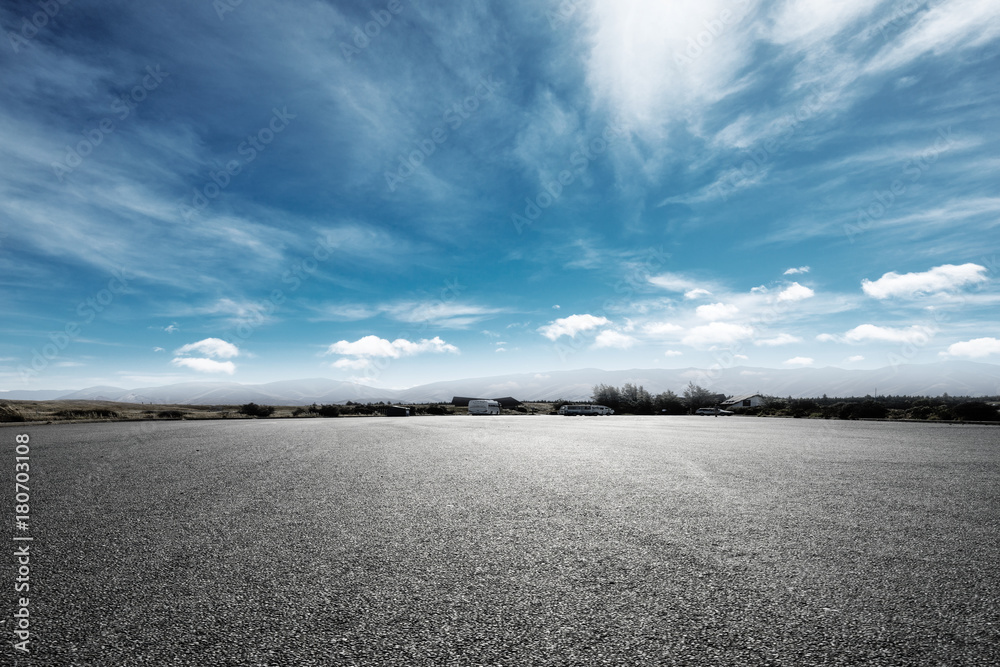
(434,312)
(864,333)
(746,136)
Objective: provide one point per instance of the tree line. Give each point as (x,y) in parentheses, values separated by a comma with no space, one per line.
(632,399)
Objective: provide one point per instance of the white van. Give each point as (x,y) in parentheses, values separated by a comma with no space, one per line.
(587,410)
(481,406)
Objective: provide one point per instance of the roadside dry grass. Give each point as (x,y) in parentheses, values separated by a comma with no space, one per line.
(97,411)
(89,411)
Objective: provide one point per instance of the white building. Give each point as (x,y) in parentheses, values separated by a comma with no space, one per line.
(744,401)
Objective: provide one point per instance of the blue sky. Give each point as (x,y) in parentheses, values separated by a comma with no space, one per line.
(402,192)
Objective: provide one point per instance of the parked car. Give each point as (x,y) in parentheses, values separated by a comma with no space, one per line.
(717,412)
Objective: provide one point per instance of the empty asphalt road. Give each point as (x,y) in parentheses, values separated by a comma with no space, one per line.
(510,541)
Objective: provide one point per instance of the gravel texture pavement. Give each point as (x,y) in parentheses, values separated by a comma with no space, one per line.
(510,541)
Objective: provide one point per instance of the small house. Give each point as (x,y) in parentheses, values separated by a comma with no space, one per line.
(743,401)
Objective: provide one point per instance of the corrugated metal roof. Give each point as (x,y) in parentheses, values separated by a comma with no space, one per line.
(739,399)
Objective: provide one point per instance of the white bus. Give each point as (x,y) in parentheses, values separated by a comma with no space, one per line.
(573,410)
(482,406)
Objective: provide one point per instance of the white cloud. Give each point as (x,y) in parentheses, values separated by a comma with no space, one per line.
(158,349)
(793,271)
(171,328)
(500,349)
(368,346)
(717,333)
(780,339)
(571,326)
(614,339)
(626,37)
(373,346)
(434,345)
(827,338)
(974,349)
(203,365)
(799,361)
(213,347)
(795,292)
(910,285)
(672,353)
(856,358)
(741,357)
(870,332)
(717,311)
(660,328)
(697,293)
(675,282)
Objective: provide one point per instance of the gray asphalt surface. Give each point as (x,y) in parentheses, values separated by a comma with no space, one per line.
(511,541)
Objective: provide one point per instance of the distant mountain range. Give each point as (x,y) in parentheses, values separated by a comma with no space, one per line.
(958,378)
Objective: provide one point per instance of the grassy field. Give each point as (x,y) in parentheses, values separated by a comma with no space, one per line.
(513,541)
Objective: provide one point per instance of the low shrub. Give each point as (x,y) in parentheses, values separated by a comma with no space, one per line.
(327,410)
(9,413)
(254,410)
(96,413)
